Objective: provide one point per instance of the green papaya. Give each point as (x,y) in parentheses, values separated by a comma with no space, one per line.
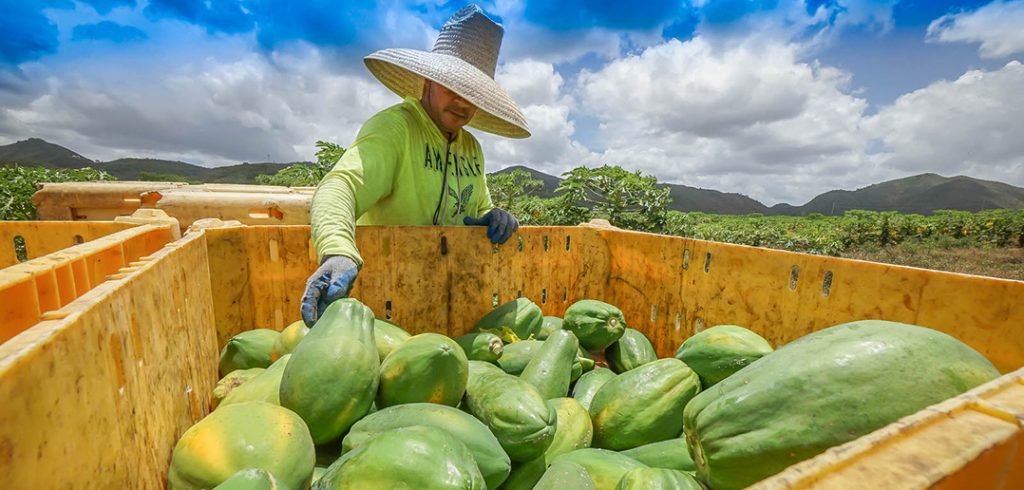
(657,479)
(632,350)
(481,346)
(239,437)
(550,370)
(565,475)
(517,355)
(596,324)
(418,457)
(588,385)
(573,431)
(490,458)
(643,405)
(387,337)
(318,473)
(514,411)
(233,380)
(289,338)
(718,352)
(519,319)
(605,467)
(247,350)
(672,454)
(822,390)
(428,367)
(549,324)
(332,377)
(249,479)
(265,387)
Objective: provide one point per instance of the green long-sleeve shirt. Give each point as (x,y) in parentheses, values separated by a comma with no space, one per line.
(393,175)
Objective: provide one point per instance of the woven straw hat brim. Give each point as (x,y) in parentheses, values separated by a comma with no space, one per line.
(403,71)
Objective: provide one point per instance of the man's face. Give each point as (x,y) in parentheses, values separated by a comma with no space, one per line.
(447,109)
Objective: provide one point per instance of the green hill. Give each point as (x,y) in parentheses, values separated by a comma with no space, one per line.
(922,194)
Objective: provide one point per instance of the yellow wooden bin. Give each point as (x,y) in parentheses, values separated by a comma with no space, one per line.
(96,394)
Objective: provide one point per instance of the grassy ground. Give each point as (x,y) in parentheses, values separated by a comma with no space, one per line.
(1006,262)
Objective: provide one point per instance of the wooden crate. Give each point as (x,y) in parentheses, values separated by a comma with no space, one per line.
(98,395)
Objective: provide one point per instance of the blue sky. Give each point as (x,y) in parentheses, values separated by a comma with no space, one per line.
(779,100)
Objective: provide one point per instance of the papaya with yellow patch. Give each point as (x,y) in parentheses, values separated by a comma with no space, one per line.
(289,338)
(239,437)
(428,367)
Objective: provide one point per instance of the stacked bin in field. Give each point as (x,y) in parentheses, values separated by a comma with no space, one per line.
(99,394)
(248,204)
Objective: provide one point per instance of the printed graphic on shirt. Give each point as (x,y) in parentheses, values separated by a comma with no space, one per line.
(461,199)
(459,165)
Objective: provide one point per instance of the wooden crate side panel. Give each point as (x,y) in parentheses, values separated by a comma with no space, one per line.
(97,396)
(406,277)
(45,237)
(32,288)
(755,288)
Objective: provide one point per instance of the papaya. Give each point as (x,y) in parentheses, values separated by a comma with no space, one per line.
(550,370)
(672,454)
(490,458)
(233,380)
(822,390)
(565,475)
(481,346)
(718,352)
(549,324)
(519,319)
(573,431)
(428,367)
(605,467)
(657,479)
(517,355)
(239,437)
(588,385)
(289,338)
(332,377)
(596,324)
(249,479)
(643,405)
(418,457)
(514,411)
(247,350)
(632,350)
(388,337)
(265,387)
(318,472)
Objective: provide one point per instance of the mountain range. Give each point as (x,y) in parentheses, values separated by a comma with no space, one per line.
(922,193)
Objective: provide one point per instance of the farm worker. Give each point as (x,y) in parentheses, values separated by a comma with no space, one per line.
(413,163)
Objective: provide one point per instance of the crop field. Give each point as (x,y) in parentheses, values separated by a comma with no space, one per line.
(985,243)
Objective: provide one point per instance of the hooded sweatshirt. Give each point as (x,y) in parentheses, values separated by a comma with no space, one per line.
(401,170)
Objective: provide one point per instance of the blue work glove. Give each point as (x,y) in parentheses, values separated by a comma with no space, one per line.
(331,282)
(500,224)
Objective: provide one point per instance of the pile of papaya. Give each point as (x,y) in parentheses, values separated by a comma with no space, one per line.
(527,401)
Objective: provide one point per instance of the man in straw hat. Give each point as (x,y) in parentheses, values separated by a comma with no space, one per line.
(412,163)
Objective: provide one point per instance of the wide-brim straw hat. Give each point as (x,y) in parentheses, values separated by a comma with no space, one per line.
(463,59)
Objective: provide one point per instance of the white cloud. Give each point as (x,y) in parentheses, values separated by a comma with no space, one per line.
(216,112)
(998,26)
(968,126)
(750,119)
(540,92)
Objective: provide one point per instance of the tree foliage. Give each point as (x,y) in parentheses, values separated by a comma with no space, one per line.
(302,174)
(17,184)
(626,199)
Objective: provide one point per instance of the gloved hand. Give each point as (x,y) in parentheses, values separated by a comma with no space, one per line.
(331,282)
(500,224)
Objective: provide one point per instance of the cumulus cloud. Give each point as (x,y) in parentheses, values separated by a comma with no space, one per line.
(218,112)
(967,126)
(998,26)
(751,119)
(539,91)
